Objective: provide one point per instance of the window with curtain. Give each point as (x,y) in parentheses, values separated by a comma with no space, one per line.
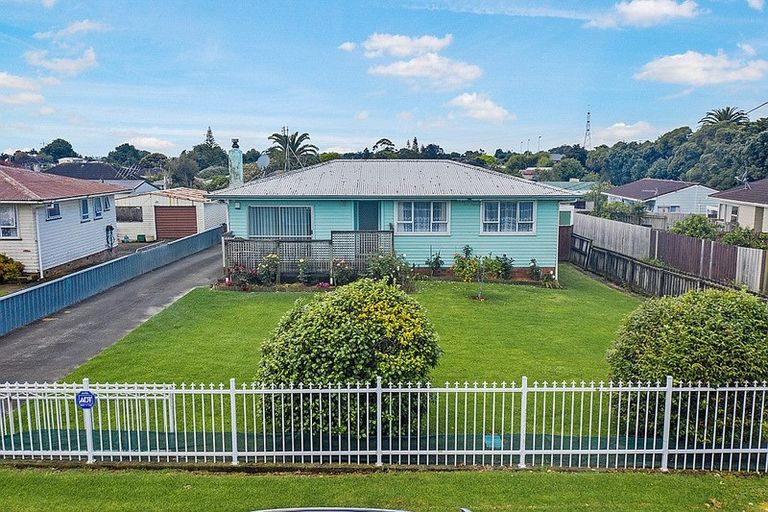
(422,217)
(9,223)
(280,222)
(97,208)
(84,213)
(507,216)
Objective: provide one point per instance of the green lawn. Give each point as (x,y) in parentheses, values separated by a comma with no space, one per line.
(481,491)
(210,336)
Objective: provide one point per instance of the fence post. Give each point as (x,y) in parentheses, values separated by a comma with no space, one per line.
(223,253)
(523,408)
(88,420)
(667,424)
(379,426)
(233,417)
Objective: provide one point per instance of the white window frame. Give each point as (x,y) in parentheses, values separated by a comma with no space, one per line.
(533,222)
(15,225)
(106,203)
(98,211)
(49,209)
(278,237)
(733,218)
(85,215)
(447,221)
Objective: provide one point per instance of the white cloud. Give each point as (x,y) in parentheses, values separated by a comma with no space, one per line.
(339,149)
(8,81)
(504,8)
(347,46)
(151,143)
(481,107)
(403,46)
(38,58)
(22,98)
(756,4)
(625,132)
(362,115)
(76,27)
(405,115)
(645,13)
(697,69)
(46,111)
(438,71)
(48,3)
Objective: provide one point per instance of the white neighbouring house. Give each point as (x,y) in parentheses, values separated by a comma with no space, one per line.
(745,205)
(50,222)
(666,196)
(167,214)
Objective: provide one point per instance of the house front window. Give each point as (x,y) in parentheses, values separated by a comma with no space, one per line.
(280,222)
(97,208)
(734,214)
(85,214)
(422,216)
(9,223)
(508,217)
(107,203)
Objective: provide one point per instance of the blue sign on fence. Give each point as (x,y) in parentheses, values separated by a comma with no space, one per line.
(85,399)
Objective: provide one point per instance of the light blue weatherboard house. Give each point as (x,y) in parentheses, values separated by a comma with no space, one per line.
(426,206)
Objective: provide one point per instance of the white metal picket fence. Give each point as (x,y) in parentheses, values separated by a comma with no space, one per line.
(569,425)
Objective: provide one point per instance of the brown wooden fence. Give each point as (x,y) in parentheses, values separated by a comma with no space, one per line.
(637,275)
(564,243)
(713,261)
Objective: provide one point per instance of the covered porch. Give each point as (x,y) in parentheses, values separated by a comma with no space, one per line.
(356,248)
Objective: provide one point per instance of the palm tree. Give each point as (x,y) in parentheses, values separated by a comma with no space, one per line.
(291,150)
(724,115)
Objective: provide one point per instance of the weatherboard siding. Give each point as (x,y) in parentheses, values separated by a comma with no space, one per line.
(465,229)
(690,200)
(24,248)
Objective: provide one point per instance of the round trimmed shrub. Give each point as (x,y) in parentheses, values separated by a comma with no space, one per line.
(352,334)
(712,336)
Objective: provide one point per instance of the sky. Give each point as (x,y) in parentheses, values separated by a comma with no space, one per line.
(462,74)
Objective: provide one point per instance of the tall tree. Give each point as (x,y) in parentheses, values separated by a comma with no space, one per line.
(126,155)
(209,140)
(182,170)
(58,148)
(292,150)
(383,144)
(724,115)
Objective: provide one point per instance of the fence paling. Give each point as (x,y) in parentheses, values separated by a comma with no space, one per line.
(624,425)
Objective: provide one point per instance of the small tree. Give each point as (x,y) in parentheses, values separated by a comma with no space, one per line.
(697,226)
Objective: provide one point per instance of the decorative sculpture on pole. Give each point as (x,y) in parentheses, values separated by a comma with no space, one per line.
(235,164)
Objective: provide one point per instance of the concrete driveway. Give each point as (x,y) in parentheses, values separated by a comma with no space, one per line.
(49,349)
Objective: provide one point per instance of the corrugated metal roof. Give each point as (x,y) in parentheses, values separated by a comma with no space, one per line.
(392,178)
(192,194)
(25,185)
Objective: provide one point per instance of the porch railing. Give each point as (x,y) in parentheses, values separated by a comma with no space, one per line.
(355,247)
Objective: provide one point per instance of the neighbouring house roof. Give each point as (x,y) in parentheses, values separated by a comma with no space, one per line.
(648,188)
(390,179)
(577,187)
(95,171)
(756,192)
(22,185)
(127,184)
(192,194)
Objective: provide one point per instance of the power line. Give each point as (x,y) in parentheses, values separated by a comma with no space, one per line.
(757,107)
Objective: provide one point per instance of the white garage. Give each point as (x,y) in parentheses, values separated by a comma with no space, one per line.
(167,214)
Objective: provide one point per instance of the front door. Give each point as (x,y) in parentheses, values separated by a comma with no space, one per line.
(367,215)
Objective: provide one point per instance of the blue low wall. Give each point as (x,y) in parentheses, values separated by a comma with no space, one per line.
(25,306)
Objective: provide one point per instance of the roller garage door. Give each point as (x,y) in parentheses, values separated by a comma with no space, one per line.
(175,221)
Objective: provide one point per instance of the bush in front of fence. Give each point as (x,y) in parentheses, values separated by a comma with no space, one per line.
(352,334)
(718,337)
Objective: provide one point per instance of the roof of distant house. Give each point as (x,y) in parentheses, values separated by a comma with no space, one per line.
(756,192)
(393,178)
(127,184)
(23,185)
(192,194)
(95,171)
(648,188)
(577,187)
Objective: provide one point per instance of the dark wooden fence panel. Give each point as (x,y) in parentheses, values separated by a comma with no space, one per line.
(564,243)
